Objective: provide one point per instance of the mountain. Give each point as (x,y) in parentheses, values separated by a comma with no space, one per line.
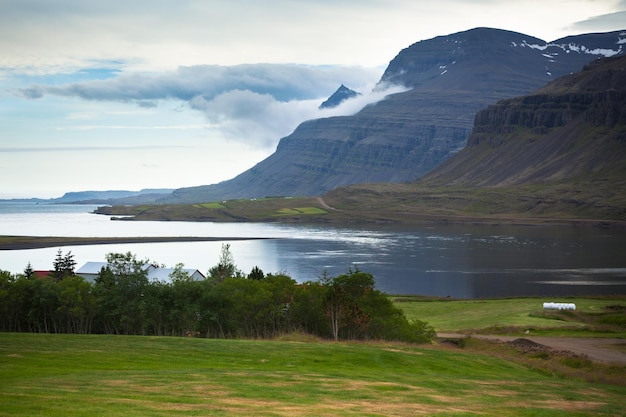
(343,93)
(556,154)
(574,127)
(449,79)
(112,196)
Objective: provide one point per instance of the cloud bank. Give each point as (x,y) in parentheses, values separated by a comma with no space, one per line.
(252,104)
(598,23)
(259,120)
(126,83)
(283,82)
(44,35)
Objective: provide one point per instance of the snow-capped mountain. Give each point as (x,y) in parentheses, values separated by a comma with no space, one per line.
(449,79)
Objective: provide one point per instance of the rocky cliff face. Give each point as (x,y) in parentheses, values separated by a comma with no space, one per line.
(405,136)
(573,127)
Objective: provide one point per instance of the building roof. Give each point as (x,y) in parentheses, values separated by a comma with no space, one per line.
(91,268)
(154,272)
(163,274)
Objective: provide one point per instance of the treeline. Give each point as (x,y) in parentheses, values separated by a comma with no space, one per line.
(228,304)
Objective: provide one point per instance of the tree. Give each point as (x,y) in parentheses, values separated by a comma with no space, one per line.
(125,264)
(77,305)
(308,309)
(225,268)
(256,273)
(256,308)
(44,303)
(325,277)
(356,310)
(185,304)
(28,271)
(179,274)
(120,290)
(343,303)
(158,301)
(63,265)
(7,303)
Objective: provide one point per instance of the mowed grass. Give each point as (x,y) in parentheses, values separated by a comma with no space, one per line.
(515,315)
(89,375)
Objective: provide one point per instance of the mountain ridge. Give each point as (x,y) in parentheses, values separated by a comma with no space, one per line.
(146,195)
(406,135)
(555,156)
(557,153)
(573,126)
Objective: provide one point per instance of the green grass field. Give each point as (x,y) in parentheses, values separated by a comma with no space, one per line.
(78,375)
(515,315)
(300,210)
(213,205)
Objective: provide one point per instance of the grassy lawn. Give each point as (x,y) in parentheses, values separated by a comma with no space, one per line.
(514,316)
(76,375)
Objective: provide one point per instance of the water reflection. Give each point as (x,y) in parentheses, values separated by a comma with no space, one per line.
(455,261)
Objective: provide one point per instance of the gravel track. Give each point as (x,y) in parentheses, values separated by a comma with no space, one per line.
(596,349)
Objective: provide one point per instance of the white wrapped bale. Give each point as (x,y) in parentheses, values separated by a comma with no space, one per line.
(559,306)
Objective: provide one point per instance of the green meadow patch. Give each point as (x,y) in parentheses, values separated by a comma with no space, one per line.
(87,375)
(593,316)
(268,209)
(210,205)
(301,210)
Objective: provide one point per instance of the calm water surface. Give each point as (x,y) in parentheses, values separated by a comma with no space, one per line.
(456,261)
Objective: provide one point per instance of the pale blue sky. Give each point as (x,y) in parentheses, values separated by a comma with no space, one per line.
(149,94)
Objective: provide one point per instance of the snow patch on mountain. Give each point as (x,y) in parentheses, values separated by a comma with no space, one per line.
(584,50)
(572,47)
(525,44)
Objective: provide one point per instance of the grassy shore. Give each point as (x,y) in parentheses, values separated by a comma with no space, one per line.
(87,375)
(34,242)
(404,204)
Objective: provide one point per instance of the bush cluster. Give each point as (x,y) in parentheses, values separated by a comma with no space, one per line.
(123,301)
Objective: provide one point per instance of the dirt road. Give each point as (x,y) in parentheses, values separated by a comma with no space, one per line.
(325,205)
(596,349)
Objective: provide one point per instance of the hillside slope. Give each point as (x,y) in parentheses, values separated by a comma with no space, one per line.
(408,134)
(574,127)
(559,153)
(555,156)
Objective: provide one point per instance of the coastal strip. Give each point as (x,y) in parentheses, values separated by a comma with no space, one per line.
(37,242)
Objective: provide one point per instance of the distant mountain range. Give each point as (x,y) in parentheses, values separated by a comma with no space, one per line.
(105,197)
(402,138)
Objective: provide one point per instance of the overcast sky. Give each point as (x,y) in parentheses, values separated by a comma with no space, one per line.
(136,94)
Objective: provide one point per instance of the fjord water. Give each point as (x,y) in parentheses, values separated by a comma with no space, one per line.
(439,260)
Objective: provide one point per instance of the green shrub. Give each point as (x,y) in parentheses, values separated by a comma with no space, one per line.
(577,362)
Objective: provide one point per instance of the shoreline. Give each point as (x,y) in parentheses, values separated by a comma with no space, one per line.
(38,242)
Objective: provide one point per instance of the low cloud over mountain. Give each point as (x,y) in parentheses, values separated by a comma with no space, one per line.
(254,104)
